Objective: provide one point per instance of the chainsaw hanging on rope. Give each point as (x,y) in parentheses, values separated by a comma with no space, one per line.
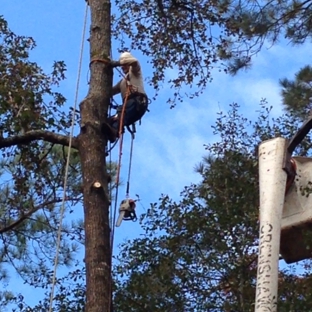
(126,211)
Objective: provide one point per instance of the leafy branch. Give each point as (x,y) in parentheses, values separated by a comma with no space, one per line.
(27,214)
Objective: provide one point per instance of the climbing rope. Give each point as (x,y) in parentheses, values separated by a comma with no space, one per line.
(119,166)
(111,146)
(59,232)
(130,164)
(113,223)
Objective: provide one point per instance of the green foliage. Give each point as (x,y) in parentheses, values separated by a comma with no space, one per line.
(32,179)
(32,175)
(297,93)
(195,37)
(200,253)
(197,254)
(69,298)
(29,213)
(27,98)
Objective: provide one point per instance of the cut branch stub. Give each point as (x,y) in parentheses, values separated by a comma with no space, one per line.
(97,185)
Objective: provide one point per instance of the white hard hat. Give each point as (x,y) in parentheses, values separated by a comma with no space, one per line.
(124,55)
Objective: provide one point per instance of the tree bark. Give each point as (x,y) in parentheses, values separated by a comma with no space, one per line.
(92,144)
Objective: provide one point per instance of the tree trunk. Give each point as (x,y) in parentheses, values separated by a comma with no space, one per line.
(92,144)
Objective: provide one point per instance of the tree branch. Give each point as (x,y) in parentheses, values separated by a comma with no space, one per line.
(38,135)
(27,214)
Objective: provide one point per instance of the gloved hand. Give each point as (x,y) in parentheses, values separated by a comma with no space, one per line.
(115,63)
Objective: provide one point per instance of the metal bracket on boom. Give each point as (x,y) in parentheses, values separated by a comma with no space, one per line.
(300,135)
(289,165)
(126,211)
(297,214)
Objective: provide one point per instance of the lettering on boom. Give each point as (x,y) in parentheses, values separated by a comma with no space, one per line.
(264,299)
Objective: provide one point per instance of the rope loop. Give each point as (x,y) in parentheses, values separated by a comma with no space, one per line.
(105,61)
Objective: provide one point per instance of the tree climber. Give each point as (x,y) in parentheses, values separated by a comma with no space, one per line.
(132,93)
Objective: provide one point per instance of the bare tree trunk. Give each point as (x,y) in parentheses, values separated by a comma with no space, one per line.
(92,144)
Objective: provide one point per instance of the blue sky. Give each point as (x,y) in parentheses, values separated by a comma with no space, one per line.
(169,142)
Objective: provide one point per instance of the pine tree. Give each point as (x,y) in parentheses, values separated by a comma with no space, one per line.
(200,253)
(297,93)
(31,118)
(174,34)
(198,37)
(33,161)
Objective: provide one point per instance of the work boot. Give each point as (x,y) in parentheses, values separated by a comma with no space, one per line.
(114,121)
(110,132)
